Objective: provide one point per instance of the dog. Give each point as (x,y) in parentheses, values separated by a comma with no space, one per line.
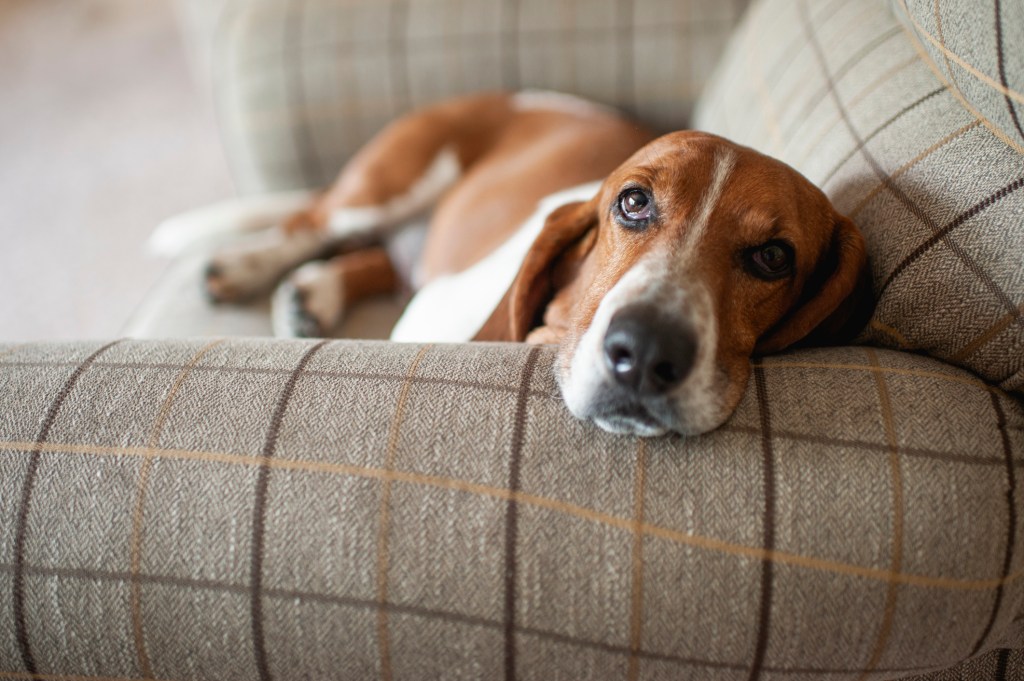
(658,265)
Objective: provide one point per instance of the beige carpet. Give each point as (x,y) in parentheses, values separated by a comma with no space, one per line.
(103,132)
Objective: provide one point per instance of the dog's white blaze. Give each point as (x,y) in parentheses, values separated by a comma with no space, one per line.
(724,161)
(442,173)
(658,281)
(545,100)
(452,308)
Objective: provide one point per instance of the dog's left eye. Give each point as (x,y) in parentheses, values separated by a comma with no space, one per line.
(635,206)
(772,260)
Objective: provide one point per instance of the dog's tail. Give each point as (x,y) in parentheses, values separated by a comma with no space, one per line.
(212,223)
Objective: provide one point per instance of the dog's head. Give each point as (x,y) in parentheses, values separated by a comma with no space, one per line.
(695,254)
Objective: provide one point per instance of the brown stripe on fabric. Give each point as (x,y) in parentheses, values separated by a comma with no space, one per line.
(140,499)
(384,516)
(913,452)
(1001,63)
(878,82)
(860,55)
(416,611)
(896,477)
(397,53)
(946,52)
(588,514)
(893,371)
(861,142)
(940,235)
(1011,520)
(21,526)
(984,277)
(512,510)
(259,512)
(309,163)
(959,132)
(768,523)
(636,601)
(941,76)
(1002,664)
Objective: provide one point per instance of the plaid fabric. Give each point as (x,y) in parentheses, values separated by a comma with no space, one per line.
(251,509)
(840,91)
(977,48)
(300,85)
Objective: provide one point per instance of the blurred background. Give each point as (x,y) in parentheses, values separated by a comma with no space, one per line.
(104,132)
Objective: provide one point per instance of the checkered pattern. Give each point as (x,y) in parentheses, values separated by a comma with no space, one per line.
(978,47)
(842,92)
(301,84)
(251,509)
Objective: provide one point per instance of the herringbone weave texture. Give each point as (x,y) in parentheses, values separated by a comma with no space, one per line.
(300,85)
(844,93)
(253,509)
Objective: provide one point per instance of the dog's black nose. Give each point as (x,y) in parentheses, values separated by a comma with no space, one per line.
(647,351)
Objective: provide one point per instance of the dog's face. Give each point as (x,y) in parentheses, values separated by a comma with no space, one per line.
(695,254)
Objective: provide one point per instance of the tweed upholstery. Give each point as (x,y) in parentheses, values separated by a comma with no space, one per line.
(301,85)
(240,509)
(840,91)
(977,47)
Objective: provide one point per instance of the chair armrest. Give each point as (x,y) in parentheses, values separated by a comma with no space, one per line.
(299,509)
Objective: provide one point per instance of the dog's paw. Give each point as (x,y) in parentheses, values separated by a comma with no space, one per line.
(309,303)
(251,266)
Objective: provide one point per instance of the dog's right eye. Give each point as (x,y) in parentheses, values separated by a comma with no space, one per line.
(635,208)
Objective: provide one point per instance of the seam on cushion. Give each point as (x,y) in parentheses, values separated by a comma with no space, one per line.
(767,523)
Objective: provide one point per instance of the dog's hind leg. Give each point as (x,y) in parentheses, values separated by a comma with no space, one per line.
(312,301)
(399,174)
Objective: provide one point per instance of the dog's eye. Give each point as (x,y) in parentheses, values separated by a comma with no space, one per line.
(772,260)
(635,205)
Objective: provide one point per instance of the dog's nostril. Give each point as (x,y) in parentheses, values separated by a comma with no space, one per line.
(648,352)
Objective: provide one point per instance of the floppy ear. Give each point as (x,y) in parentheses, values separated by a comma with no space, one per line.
(837,299)
(522,307)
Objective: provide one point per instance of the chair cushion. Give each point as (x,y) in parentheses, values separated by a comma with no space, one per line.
(300,86)
(293,510)
(840,90)
(977,48)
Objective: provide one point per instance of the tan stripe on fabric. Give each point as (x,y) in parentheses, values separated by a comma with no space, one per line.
(913,162)
(893,333)
(949,54)
(937,13)
(140,500)
(636,605)
(986,336)
(384,515)
(558,506)
(896,481)
(927,59)
(11,351)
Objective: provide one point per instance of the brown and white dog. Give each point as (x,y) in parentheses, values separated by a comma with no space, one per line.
(683,257)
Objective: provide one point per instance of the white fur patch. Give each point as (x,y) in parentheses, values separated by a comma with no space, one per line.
(544,100)
(454,307)
(436,180)
(724,162)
